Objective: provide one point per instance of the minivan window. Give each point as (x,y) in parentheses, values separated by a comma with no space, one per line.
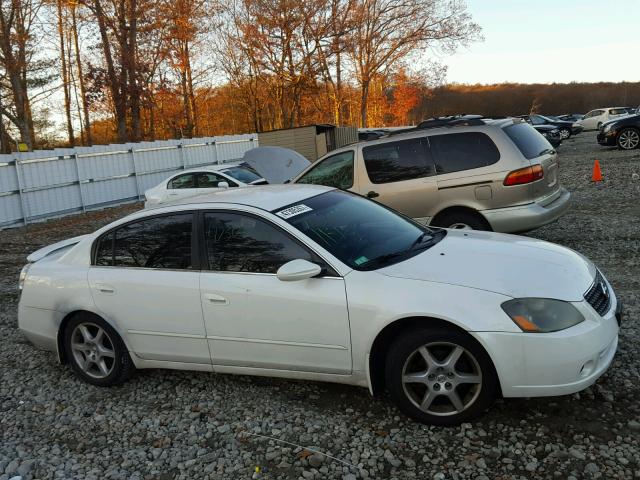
(530,143)
(243,243)
(158,242)
(455,152)
(396,161)
(335,171)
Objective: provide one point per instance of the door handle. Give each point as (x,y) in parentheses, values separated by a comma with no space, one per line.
(216,299)
(372,194)
(106,289)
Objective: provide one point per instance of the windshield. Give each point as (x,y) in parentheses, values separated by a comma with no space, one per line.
(531,143)
(245,174)
(361,233)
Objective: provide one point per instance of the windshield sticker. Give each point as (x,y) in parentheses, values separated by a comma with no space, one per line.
(361,260)
(293,211)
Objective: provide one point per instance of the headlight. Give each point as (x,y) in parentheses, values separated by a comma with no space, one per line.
(23,275)
(542,315)
(576,125)
(607,128)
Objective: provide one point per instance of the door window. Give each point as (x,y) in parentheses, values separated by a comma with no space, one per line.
(158,242)
(211,180)
(187,180)
(455,152)
(536,120)
(244,243)
(397,161)
(335,171)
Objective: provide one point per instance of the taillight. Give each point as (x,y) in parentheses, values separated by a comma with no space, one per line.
(524,175)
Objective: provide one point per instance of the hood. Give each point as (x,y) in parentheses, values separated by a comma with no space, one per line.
(276,164)
(545,128)
(506,264)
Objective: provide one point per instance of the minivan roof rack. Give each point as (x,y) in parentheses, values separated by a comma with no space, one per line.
(449,121)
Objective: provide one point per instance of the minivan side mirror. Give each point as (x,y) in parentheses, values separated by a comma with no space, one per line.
(298,269)
(223,185)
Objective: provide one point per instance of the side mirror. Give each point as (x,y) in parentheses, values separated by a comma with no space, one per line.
(298,270)
(223,185)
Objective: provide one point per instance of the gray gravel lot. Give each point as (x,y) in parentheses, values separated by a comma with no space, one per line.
(167,424)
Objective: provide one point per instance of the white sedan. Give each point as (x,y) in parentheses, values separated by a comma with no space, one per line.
(309,282)
(197,181)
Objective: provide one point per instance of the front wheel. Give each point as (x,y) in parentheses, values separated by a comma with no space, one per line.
(565,133)
(440,377)
(96,352)
(628,139)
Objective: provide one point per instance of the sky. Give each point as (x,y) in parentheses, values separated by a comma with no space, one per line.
(546,41)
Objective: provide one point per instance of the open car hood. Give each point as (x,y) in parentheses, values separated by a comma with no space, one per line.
(276,164)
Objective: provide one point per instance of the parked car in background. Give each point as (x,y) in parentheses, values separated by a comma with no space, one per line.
(196,181)
(570,117)
(551,133)
(455,172)
(631,110)
(566,128)
(594,119)
(623,132)
(313,283)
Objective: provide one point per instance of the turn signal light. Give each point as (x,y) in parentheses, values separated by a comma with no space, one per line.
(524,175)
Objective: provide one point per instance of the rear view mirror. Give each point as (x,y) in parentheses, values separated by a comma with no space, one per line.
(223,185)
(298,270)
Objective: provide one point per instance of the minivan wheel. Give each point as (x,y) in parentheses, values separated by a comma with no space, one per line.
(440,377)
(461,220)
(565,133)
(96,352)
(628,139)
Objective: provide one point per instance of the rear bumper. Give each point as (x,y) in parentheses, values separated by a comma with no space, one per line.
(530,216)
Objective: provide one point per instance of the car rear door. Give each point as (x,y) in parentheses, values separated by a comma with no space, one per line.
(144,280)
(401,175)
(181,186)
(255,320)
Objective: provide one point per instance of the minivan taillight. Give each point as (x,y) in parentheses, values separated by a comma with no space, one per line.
(524,175)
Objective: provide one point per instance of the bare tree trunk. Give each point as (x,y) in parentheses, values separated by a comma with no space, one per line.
(65,76)
(134,95)
(88,140)
(364,99)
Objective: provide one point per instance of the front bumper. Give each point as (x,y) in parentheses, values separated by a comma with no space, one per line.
(559,363)
(530,216)
(607,139)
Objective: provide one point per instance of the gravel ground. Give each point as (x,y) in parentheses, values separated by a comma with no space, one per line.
(167,424)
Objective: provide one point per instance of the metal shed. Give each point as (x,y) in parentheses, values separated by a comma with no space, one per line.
(311,141)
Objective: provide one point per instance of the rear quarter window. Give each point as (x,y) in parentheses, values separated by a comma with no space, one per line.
(456,152)
(530,142)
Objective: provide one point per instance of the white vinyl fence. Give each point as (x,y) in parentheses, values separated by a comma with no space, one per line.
(50,183)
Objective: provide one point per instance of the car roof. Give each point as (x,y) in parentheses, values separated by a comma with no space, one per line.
(209,168)
(265,197)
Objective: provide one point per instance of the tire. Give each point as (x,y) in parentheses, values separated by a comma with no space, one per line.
(565,133)
(462,220)
(405,360)
(599,126)
(96,352)
(628,139)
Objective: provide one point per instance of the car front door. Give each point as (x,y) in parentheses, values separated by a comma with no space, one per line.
(255,320)
(401,175)
(144,280)
(207,182)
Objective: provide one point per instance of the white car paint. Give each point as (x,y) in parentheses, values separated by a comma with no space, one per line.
(221,175)
(593,119)
(324,328)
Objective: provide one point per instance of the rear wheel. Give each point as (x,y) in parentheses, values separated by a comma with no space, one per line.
(628,139)
(96,352)
(440,377)
(461,220)
(599,125)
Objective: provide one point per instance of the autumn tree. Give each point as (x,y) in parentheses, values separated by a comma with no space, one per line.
(388,31)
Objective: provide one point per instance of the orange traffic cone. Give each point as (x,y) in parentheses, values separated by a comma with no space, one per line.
(597,174)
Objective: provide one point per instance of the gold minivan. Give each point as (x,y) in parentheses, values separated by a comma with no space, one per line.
(455,172)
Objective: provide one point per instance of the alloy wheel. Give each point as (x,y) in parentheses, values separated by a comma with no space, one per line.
(442,378)
(460,226)
(93,350)
(629,139)
(564,134)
